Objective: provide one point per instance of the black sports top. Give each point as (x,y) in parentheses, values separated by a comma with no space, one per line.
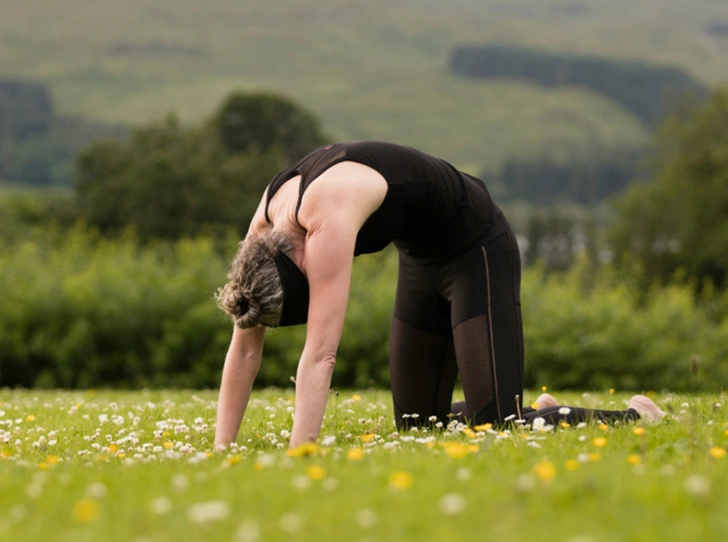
(431,211)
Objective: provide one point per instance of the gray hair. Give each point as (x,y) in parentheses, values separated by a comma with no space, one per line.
(253,295)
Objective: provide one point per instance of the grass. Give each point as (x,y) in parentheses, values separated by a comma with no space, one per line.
(368,69)
(138,466)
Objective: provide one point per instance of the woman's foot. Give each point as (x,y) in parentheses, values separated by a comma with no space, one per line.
(646,408)
(545,401)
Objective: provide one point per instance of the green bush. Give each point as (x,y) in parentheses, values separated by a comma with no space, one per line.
(77,310)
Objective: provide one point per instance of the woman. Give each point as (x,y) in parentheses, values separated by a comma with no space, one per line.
(457,307)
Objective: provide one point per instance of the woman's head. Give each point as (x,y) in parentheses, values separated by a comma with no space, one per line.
(265,286)
(253,294)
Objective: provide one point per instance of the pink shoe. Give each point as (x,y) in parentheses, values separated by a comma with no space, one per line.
(646,408)
(545,401)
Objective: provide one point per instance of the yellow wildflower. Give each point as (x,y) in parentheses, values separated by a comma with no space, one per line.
(634,459)
(469,433)
(42,466)
(233,460)
(595,457)
(356,398)
(611,391)
(315,472)
(639,431)
(599,442)
(484,427)
(168,445)
(52,460)
(86,511)
(113,448)
(535,406)
(565,425)
(368,437)
(543,388)
(355,454)
(571,464)
(303,450)
(30,417)
(455,449)
(401,479)
(717,453)
(544,470)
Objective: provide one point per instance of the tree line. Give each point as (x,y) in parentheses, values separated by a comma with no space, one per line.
(38,146)
(646,90)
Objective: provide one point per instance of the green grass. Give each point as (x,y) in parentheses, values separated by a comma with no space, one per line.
(137,466)
(369,69)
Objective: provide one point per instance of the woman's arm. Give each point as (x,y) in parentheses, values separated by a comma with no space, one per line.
(333,211)
(241,366)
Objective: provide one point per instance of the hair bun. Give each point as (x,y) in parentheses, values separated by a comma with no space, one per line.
(243,305)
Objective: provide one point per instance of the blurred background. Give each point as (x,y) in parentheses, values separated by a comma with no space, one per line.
(136,139)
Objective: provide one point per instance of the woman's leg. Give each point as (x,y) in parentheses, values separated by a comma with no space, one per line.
(421,356)
(483,286)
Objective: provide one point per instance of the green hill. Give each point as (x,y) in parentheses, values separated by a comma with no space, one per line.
(369,69)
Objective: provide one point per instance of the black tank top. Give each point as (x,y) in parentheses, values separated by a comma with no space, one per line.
(431,211)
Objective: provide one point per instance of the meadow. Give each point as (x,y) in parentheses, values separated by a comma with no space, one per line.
(140,466)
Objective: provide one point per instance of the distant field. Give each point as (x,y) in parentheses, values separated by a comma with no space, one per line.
(370,69)
(139,466)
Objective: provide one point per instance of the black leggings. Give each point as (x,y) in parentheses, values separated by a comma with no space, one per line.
(464,316)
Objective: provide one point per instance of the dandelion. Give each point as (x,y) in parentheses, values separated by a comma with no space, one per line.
(634,459)
(315,472)
(86,511)
(535,406)
(543,388)
(456,450)
(452,504)
(595,457)
(401,480)
(355,454)
(545,471)
(356,398)
(564,425)
(571,464)
(639,431)
(303,450)
(484,427)
(366,518)
(611,391)
(368,437)
(469,433)
(599,442)
(603,426)
(717,453)
(205,512)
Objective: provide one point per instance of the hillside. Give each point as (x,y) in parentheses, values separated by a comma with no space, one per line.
(369,69)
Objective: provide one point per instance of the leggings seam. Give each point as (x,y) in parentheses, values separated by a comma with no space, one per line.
(490,330)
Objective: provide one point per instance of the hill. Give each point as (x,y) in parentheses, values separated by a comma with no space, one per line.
(369,69)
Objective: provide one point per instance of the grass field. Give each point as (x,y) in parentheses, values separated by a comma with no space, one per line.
(372,69)
(139,466)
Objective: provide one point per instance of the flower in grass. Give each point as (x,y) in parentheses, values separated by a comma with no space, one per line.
(161,505)
(316,472)
(205,512)
(639,431)
(599,442)
(611,391)
(697,485)
(303,450)
(86,511)
(355,454)
(484,427)
(368,437)
(543,388)
(452,504)
(366,518)
(30,417)
(459,450)
(603,426)
(564,411)
(571,464)
(463,474)
(535,406)
(545,471)
(356,398)
(401,479)
(717,453)
(469,433)
(249,531)
(290,523)
(634,459)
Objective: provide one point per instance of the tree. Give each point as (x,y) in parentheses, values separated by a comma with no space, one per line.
(262,122)
(169,180)
(679,221)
